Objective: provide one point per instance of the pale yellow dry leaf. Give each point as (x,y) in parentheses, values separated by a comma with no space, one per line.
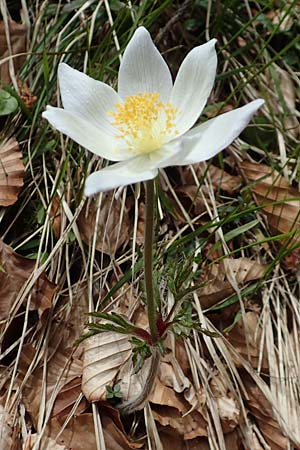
(104,354)
(17,34)
(15,271)
(113,228)
(132,384)
(218,287)
(11,172)
(268,187)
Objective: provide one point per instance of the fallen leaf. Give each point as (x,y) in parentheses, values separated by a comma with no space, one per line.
(60,381)
(5,430)
(17,36)
(189,426)
(26,95)
(104,354)
(269,186)
(254,351)
(79,434)
(195,199)
(46,443)
(15,271)
(171,375)
(217,287)
(261,409)
(11,172)
(228,407)
(113,228)
(219,178)
(55,215)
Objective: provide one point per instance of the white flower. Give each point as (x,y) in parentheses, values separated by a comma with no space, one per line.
(145,126)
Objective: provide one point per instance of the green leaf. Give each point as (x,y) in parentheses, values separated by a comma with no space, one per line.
(8,103)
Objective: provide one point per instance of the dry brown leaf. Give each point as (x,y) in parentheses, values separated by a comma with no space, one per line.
(104,354)
(171,375)
(288,90)
(228,407)
(46,443)
(189,426)
(283,217)
(66,398)
(261,409)
(79,434)
(192,199)
(55,215)
(165,396)
(62,381)
(251,325)
(115,438)
(26,95)
(11,172)
(5,430)
(218,288)
(14,272)
(113,228)
(219,178)
(17,34)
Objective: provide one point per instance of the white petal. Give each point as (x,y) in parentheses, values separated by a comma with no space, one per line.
(86,134)
(143,69)
(87,98)
(206,140)
(193,84)
(170,154)
(120,174)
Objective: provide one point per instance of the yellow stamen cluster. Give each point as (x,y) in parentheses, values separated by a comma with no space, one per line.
(145,122)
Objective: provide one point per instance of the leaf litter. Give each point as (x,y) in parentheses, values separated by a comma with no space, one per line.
(202,397)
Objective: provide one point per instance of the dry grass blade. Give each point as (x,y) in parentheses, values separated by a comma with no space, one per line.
(11,172)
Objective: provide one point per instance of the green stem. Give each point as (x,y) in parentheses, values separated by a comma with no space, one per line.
(148,259)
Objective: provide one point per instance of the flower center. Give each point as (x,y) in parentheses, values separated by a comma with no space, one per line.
(145,122)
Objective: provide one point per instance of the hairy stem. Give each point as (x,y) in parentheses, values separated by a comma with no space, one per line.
(148,259)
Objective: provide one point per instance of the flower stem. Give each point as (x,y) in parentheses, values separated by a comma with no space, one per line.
(148,259)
